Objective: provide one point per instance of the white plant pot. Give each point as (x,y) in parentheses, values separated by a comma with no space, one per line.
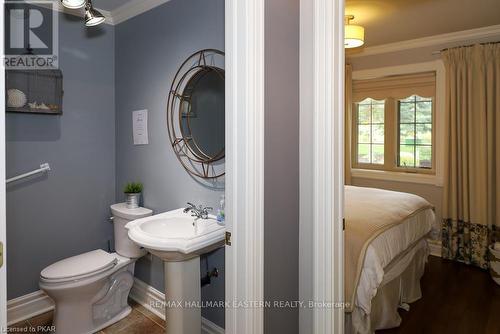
(132,201)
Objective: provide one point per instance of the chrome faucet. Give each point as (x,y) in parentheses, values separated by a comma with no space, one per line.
(198,212)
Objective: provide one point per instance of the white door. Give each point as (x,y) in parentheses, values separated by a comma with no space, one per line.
(3,270)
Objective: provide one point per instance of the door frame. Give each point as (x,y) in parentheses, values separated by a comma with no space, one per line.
(321,164)
(244,263)
(321,262)
(3,232)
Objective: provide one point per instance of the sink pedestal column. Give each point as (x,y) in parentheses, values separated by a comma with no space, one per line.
(182,285)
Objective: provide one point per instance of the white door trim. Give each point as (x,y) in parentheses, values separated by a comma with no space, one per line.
(3,269)
(321,160)
(245,164)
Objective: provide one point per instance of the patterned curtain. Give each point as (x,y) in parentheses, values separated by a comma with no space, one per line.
(471,206)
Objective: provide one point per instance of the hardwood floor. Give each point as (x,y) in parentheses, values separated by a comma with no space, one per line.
(456,299)
(139,321)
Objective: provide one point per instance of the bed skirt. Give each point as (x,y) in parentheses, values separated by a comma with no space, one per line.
(400,285)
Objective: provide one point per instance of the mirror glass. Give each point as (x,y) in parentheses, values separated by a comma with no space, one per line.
(202,113)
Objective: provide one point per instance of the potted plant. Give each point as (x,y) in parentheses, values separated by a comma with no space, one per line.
(133,192)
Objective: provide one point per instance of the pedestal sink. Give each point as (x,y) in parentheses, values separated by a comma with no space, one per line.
(179,239)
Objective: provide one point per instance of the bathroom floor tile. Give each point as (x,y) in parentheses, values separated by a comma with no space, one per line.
(143,325)
(132,318)
(16,328)
(156,319)
(139,321)
(41,320)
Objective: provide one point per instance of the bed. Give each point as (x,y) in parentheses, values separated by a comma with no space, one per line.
(385,254)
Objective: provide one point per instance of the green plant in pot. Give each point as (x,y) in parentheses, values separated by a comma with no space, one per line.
(133,192)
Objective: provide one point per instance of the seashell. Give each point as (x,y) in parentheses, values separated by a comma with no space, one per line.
(16,98)
(43,106)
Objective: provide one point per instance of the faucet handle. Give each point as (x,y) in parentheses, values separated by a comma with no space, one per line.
(190,207)
(204,212)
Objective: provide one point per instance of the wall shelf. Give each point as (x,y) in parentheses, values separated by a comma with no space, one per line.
(40,87)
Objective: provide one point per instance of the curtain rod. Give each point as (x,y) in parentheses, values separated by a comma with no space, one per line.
(439,51)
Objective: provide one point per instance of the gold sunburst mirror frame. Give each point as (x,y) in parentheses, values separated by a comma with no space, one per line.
(195,114)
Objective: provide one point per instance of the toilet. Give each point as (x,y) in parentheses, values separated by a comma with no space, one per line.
(90,290)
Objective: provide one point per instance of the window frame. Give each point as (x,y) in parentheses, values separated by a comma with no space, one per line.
(391,141)
(355,141)
(419,170)
(436,179)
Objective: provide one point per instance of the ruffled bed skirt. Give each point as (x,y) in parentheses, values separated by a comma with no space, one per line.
(401,285)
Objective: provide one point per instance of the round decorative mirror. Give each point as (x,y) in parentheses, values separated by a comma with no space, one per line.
(196,114)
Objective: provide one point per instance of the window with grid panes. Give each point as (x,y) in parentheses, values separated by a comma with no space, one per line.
(393,123)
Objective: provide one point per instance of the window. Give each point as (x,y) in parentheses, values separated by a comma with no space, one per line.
(370,131)
(415,132)
(392,123)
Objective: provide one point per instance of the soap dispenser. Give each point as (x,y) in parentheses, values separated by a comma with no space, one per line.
(221,216)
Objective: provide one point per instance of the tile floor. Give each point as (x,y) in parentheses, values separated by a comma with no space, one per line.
(139,321)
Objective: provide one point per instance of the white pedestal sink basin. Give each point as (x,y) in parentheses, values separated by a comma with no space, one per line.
(179,239)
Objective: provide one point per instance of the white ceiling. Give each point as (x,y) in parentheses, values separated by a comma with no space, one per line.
(388,21)
(110,5)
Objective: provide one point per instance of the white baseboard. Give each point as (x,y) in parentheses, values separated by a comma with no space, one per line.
(36,303)
(435,247)
(28,306)
(148,297)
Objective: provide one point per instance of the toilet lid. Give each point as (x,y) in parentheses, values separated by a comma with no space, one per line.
(80,265)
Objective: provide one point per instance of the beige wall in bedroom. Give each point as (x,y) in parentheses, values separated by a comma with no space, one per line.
(411,56)
(432,193)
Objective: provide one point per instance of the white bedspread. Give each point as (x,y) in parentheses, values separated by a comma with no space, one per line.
(386,247)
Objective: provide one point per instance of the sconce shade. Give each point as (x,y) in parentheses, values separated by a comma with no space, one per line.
(92,16)
(73,4)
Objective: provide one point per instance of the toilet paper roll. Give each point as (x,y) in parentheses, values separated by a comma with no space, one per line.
(496,246)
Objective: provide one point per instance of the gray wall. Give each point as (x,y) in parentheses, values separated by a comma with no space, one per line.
(65,213)
(149,50)
(281,211)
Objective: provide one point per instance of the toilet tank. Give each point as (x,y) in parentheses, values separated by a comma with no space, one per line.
(121,216)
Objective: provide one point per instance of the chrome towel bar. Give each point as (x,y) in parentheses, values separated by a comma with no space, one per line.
(45,167)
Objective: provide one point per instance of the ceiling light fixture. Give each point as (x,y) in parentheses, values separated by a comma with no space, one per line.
(73,4)
(354,35)
(92,17)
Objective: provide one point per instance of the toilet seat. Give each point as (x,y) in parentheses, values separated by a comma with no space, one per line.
(80,266)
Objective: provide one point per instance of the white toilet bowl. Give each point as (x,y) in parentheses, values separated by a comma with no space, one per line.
(90,290)
(90,298)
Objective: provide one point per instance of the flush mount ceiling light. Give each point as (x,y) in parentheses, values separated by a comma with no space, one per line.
(92,17)
(354,36)
(73,4)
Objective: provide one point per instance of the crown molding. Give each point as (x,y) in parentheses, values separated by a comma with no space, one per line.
(113,17)
(459,36)
(134,8)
